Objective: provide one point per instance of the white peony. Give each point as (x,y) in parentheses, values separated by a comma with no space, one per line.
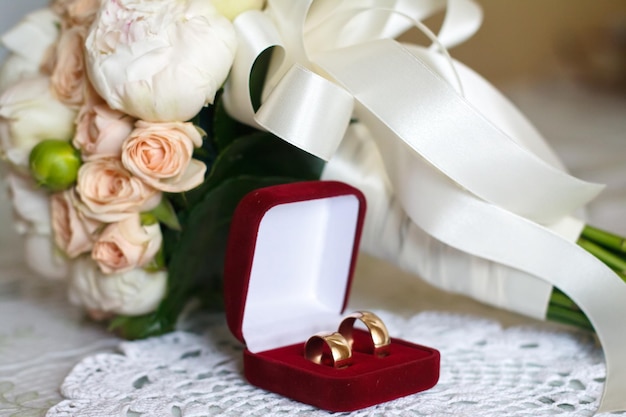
(30,114)
(159,60)
(29,43)
(131,293)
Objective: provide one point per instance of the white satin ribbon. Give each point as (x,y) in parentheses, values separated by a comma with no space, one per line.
(471,173)
(391,235)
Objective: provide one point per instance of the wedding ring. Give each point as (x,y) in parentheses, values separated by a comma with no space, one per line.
(379,336)
(330,349)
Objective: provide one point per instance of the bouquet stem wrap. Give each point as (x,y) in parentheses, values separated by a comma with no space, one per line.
(462,189)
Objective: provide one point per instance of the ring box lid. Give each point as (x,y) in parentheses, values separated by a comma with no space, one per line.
(289,263)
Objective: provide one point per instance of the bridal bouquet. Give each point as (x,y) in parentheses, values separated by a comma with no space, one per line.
(130,130)
(123,166)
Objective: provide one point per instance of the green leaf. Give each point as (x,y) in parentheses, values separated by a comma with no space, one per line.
(258,74)
(139,327)
(261,155)
(166,214)
(225,128)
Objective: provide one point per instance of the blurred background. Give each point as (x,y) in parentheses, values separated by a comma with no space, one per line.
(526,39)
(519,39)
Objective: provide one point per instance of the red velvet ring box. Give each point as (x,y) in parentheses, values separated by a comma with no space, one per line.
(290,259)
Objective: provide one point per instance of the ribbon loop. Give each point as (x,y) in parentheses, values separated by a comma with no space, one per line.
(462,20)
(307,111)
(257,34)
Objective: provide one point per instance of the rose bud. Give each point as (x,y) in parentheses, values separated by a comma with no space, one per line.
(54,164)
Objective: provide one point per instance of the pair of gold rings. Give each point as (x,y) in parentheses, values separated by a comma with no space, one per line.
(335,348)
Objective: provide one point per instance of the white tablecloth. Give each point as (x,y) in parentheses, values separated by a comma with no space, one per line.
(42,338)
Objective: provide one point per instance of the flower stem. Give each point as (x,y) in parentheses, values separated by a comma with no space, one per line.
(611,259)
(603,238)
(564,315)
(608,248)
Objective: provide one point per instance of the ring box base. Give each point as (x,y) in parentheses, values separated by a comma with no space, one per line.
(369,380)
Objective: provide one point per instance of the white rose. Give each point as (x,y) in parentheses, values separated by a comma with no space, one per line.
(159,61)
(31,205)
(29,114)
(30,45)
(233,8)
(131,293)
(44,258)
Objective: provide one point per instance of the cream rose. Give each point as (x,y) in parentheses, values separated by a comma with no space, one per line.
(68,77)
(161,155)
(131,293)
(159,60)
(29,43)
(14,69)
(31,207)
(126,245)
(110,193)
(29,114)
(100,131)
(74,233)
(233,8)
(43,257)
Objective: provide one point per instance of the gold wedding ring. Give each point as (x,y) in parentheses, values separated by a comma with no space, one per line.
(379,336)
(330,349)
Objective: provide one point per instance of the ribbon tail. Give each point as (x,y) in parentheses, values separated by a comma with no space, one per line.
(391,235)
(307,111)
(464,219)
(489,232)
(423,111)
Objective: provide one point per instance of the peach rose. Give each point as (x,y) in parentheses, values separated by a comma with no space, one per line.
(74,233)
(130,293)
(126,245)
(76,12)
(68,76)
(100,131)
(161,155)
(110,193)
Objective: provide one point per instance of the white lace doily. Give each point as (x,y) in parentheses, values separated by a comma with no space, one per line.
(485,371)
